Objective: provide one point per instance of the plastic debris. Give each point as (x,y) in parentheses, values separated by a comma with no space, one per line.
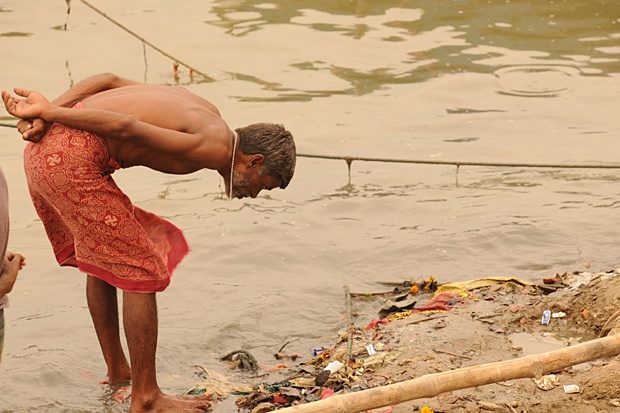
(581,281)
(546,317)
(334,366)
(215,384)
(327,393)
(547,382)
(378,359)
(373,348)
(571,388)
(397,306)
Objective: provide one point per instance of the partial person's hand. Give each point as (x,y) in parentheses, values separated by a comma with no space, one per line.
(11,265)
(32,130)
(18,257)
(29,108)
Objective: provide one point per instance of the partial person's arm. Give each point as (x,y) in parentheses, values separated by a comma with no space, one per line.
(33,129)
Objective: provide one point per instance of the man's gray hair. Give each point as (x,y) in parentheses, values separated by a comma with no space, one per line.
(273,142)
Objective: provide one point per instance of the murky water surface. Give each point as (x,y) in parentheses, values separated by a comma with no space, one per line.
(515,82)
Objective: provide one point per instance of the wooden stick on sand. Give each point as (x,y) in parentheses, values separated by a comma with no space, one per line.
(432,385)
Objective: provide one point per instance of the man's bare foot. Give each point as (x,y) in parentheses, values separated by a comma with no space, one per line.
(112,380)
(167,403)
(122,375)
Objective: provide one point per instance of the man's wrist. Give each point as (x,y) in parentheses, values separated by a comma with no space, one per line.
(48,112)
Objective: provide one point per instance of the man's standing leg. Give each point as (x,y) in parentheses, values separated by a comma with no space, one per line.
(141,329)
(103,306)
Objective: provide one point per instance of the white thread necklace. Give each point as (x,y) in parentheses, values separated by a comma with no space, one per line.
(226,225)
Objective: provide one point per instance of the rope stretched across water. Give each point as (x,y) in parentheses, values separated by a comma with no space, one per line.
(350,159)
(143,40)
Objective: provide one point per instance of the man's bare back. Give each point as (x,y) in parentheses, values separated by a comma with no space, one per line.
(167,107)
(165,128)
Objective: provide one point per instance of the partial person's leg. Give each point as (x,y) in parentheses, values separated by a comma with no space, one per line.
(141,328)
(103,306)
(1,332)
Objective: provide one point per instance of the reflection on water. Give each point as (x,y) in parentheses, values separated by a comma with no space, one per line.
(15,34)
(409,42)
(362,47)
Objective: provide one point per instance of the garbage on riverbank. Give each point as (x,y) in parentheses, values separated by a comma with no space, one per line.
(428,327)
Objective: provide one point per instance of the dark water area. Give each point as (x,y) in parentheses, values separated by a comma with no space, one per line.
(493,82)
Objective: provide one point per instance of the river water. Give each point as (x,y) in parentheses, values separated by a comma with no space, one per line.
(512,81)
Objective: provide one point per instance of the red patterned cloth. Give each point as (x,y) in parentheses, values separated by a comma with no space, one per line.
(90,222)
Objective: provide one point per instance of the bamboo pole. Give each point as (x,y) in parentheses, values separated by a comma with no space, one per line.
(431,385)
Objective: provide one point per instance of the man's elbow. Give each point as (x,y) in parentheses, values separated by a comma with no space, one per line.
(126,127)
(111,79)
(107,80)
(116,81)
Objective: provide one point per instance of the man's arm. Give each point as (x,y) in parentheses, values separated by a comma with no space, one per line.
(33,129)
(91,86)
(208,146)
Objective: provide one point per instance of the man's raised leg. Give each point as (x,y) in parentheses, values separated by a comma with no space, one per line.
(103,306)
(141,326)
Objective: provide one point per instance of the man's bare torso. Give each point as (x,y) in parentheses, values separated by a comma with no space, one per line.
(168,107)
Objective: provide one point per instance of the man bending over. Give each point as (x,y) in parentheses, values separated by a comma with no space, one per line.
(76,142)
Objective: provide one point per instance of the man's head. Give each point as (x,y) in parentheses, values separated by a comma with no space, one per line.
(275,144)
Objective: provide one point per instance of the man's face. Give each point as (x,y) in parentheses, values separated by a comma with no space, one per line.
(250,182)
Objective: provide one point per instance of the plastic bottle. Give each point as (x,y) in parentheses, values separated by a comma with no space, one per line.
(546,317)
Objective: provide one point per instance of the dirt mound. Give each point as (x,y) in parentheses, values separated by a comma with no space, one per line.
(463,325)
